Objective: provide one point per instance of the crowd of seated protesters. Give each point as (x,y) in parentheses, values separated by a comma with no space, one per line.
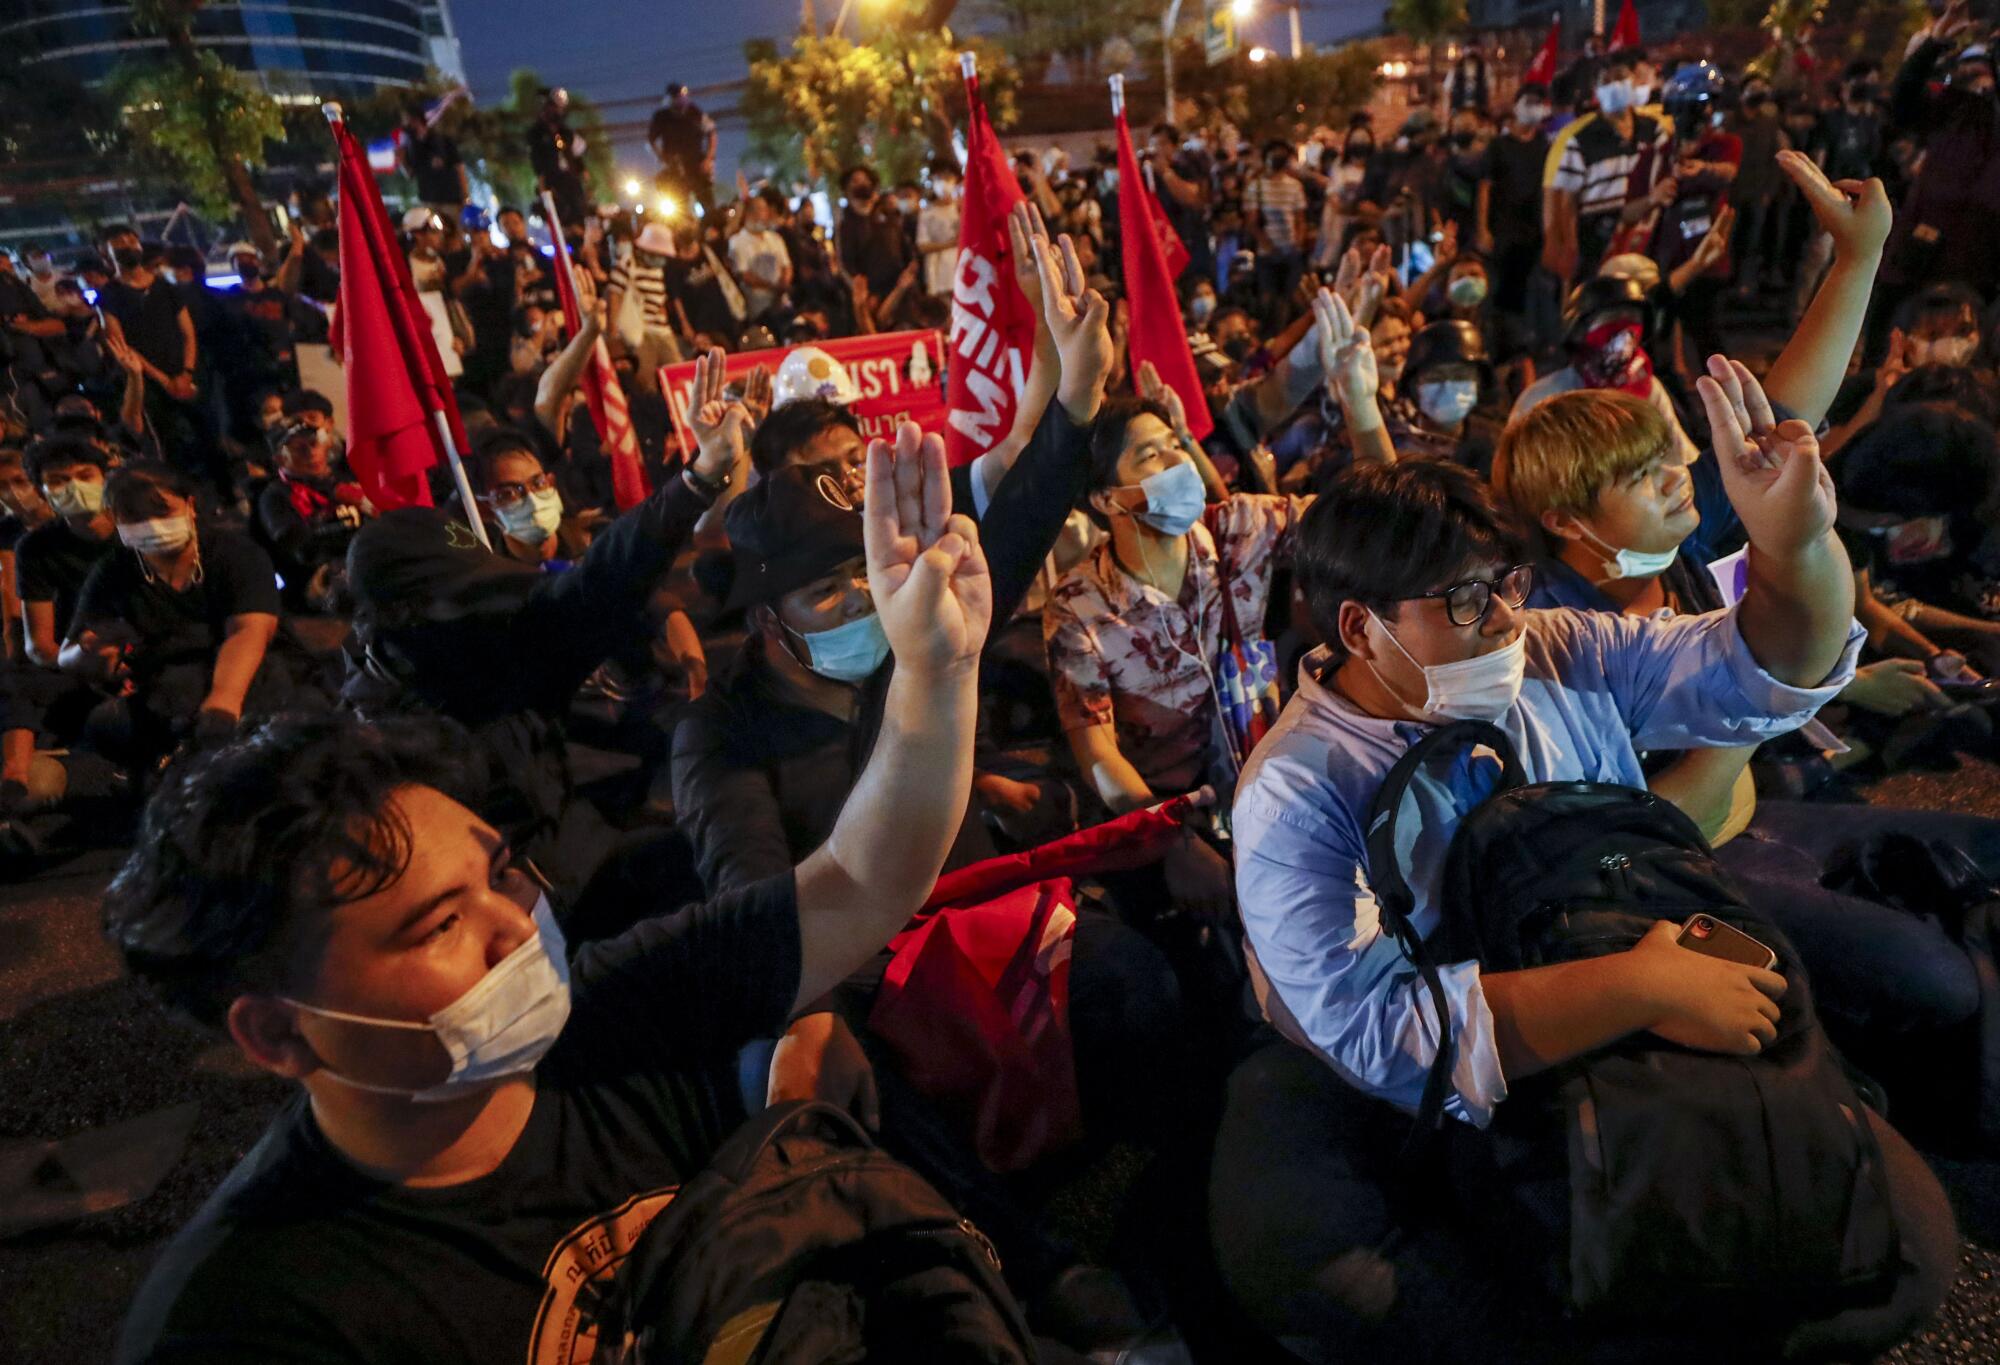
(540,842)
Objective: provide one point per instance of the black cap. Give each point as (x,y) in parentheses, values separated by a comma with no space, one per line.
(426,556)
(796,525)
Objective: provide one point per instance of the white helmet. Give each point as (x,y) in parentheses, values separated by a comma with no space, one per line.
(810,372)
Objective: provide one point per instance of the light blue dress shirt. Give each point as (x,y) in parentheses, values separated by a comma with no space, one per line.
(1600,688)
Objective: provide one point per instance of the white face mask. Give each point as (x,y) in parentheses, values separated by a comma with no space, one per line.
(1175,498)
(1953,350)
(849,653)
(160,536)
(1483,687)
(1632,563)
(501,1027)
(1447,401)
(78,499)
(1531,115)
(533,519)
(1200,308)
(1467,291)
(1614,97)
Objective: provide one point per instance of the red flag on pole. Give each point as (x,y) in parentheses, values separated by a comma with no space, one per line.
(609,412)
(1627,32)
(402,415)
(1156,332)
(1172,249)
(1542,70)
(992,325)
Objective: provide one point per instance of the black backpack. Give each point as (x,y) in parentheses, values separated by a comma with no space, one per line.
(1643,1182)
(801,1243)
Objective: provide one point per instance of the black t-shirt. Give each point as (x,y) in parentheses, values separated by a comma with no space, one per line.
(51,564)
(695,283)
(12,530)
(682,136)
(186,626)
(263,332)
(298,1257)
(871,243)
(152,321)
(433,161)
(1931,559)
(1515,210)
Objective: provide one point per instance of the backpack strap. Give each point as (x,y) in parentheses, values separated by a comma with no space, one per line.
(1398,903)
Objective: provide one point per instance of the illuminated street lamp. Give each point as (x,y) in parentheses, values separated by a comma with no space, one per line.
(666,208)
(1260,54)
(632,187)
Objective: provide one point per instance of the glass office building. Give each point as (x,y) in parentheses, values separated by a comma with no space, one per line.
(328,48)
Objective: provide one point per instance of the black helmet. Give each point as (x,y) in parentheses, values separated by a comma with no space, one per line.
(1444,343)
(1692,94)
(1600,294)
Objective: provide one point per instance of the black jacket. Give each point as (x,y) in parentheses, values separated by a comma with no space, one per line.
(759,778)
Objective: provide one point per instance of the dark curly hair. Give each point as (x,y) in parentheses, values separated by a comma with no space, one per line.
(243,851)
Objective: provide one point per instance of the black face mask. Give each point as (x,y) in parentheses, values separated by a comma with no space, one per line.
(128,257)
(1238,348)
(1276,163)
(861,194)
(249,273)
(1360,151)
(1463,141)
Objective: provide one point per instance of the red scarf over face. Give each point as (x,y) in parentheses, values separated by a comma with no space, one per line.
(1612,358)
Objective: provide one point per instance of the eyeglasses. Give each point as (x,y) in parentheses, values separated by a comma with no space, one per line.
(508,494)
(1467,603)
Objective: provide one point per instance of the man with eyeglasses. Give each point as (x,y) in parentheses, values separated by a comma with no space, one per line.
(1418,580)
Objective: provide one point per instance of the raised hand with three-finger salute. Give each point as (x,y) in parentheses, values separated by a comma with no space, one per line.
(1797,614)
(1078,319)
(926,571)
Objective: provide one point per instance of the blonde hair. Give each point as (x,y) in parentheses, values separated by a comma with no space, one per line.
(1560,455)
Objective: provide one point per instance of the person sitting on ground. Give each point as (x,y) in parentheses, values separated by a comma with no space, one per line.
(181,618)
(53,560)
(306,515)
(441,1184)
(1419,581)
(1596,475)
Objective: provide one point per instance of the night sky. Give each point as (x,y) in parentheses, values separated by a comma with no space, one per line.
(627,50)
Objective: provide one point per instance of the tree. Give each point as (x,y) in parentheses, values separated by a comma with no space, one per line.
(1032,31)
(1429,22)
(198,118)
(1263,98)
(892,101)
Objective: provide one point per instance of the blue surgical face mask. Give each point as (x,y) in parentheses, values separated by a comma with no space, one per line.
(1632,563)
(1447,401)
(1200,307)
(500,1027)
(849,653)
(1175,497)
(1614,97)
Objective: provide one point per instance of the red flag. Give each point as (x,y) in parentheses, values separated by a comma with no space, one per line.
(1627,32)
(1156,332)
(609,412)
(1172,249)
(1542,70)
(395,377)
(992,325)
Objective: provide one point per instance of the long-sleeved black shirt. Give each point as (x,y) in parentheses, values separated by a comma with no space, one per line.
(759,777)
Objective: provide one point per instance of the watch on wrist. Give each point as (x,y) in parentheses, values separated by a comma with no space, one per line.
(705,486)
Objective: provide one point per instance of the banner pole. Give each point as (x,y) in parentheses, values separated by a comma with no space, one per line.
(465,497)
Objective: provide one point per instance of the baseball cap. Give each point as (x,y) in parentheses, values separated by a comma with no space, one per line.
(796,525)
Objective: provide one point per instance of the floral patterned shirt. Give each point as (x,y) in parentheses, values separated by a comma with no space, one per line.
(1122,653)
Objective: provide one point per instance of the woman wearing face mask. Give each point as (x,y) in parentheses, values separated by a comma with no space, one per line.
(522,504)
(178,620)
(1133,630)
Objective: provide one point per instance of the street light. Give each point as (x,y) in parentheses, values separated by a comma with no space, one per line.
(666,207)
(632,187)
(1260,54)
(1242,9)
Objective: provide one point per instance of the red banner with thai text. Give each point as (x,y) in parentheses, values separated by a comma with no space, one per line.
(900,375)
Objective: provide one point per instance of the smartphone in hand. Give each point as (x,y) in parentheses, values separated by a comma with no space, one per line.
(1707,934)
